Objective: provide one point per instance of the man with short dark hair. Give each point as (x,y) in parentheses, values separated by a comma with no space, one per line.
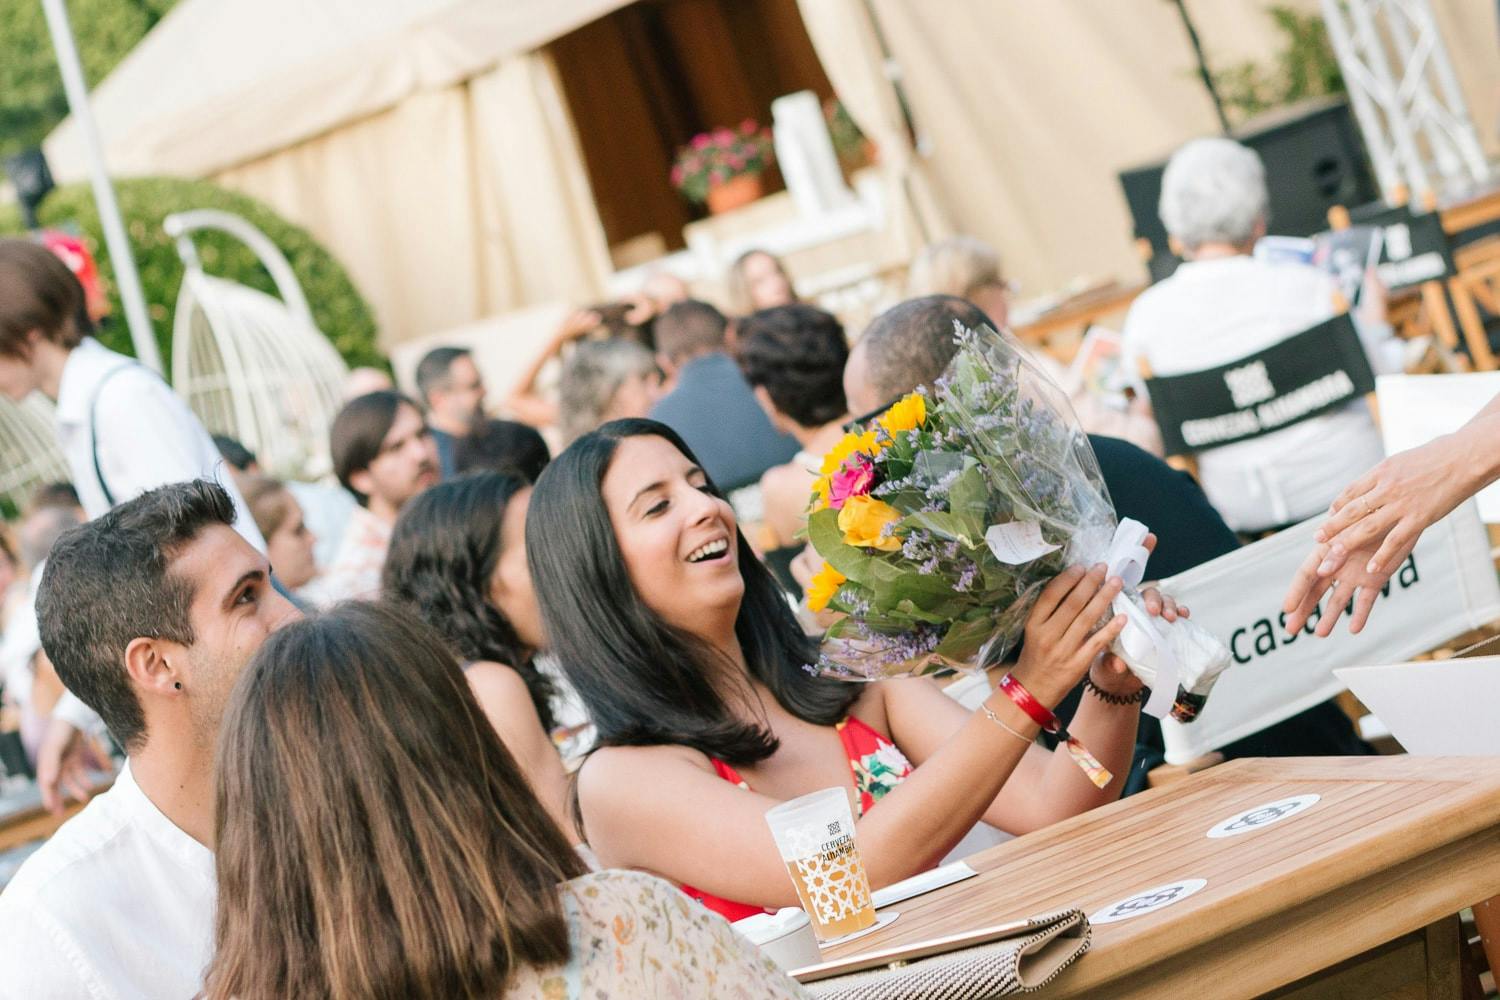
(711,405)
(149,613)
(382,453)
(911,344)
(449,383)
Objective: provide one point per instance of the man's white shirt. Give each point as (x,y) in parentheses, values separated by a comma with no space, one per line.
(117,905)
(147,436)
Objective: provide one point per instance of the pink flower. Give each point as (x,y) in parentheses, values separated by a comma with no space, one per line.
(700,140)
(853,479)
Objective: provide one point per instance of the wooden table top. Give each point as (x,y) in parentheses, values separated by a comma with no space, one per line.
(1079,310)
(1393,844)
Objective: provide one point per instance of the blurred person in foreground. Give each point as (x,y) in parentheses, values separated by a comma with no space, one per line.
(383,454)
(419,863)
(758,280)
(149,613)
(711,406)
(911,344)
(1223,304)
(451,387)
(1375,522)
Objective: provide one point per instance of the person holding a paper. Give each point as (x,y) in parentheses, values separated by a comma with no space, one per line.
(1375,522)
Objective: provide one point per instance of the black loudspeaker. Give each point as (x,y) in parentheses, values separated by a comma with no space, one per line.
(29,174)
(1314,158)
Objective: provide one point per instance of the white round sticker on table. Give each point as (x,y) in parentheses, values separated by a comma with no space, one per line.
(1263,816)
(1149,901)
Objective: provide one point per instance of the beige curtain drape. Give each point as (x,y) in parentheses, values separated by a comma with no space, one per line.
(453,205)
(849,49)
(1029,110)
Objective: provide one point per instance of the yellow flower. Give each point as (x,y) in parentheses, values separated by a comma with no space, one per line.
(863,521)
(907,414)
(820,494)
(822,587)
(848,445)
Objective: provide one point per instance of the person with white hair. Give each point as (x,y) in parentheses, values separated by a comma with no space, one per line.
(1223,304)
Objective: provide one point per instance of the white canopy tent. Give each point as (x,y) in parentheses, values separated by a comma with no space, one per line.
(429,145)
(426,142)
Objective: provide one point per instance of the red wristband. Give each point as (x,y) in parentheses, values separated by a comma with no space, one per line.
(1044,717)
(1026,702)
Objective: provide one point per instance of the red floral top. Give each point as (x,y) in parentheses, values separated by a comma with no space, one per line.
(878,767)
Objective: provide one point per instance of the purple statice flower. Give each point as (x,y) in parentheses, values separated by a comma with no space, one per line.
(929,567)
(966,578)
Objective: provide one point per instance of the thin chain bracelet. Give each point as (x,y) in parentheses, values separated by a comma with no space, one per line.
(1001,723)
(1139,698)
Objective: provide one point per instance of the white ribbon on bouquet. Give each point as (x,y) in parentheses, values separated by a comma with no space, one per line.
(1164,655)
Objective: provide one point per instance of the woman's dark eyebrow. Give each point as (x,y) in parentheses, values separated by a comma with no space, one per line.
(646,489)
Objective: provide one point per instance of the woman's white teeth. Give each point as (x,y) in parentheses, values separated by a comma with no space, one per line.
(708,551)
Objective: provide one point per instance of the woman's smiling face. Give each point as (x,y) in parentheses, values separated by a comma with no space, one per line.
(678,537)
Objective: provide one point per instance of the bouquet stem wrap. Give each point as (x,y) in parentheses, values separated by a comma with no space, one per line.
(941,522)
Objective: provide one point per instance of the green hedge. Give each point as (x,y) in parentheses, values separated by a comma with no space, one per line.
(337,306)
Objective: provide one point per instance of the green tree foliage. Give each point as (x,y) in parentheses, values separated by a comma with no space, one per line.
(1304,67)
(32,102)
(337,306)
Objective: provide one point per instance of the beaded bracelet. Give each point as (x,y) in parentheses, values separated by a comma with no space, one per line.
(1139,698)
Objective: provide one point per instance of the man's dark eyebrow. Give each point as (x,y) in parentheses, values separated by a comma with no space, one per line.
(254,575)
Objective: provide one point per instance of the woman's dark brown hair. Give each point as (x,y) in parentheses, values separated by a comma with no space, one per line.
(374,837)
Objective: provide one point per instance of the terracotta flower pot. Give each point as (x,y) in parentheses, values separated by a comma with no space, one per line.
(734,193)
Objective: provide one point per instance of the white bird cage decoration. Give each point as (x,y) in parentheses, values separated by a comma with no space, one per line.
(249,365)
(29,455)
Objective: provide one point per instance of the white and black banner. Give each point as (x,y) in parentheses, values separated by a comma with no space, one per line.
(1303,376)
(1447,587)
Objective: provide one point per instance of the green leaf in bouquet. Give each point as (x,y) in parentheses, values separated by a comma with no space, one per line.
(949,527)
(962,642)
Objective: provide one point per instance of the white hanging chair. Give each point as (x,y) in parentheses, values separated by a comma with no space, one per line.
(29,455)
(252,366)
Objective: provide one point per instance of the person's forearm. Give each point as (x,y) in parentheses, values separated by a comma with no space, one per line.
(1108,731)
(1477,459)
(920,820)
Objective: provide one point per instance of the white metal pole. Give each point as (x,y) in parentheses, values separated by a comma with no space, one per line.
(141,334)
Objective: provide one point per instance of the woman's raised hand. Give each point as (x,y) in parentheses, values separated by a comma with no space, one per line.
(1061,635)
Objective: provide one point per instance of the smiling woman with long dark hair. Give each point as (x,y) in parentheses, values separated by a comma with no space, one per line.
(374,838)
(694,670)
(458,561)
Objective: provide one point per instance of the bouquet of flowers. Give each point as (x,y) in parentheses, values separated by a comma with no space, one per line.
(712,158)
(941,521)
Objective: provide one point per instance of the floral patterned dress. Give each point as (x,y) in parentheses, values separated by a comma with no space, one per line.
(878,766)
(633,935)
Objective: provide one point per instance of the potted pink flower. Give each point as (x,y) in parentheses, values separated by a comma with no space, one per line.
(723,168)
